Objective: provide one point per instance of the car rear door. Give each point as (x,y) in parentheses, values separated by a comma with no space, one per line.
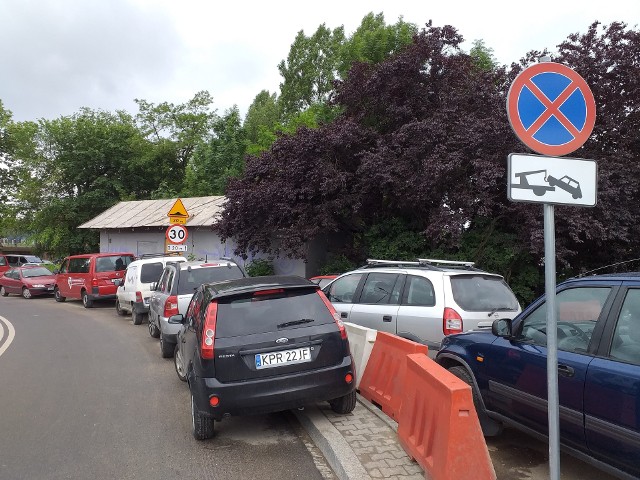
(421,309)
(612,387)
(260,335)
(378,303)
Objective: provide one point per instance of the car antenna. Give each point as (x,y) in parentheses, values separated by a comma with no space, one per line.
(606,266)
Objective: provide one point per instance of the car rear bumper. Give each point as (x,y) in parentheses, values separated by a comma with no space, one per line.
(98,293)
(272,394)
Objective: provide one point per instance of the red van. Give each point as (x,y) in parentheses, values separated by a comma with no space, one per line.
(4,264)
(91,276)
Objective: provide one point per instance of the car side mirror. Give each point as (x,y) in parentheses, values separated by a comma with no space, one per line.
(502,328)
(176,319)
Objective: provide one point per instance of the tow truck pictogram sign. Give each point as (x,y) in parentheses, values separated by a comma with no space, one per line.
(562,181)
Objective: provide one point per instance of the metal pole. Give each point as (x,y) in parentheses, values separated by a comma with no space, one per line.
(552,342)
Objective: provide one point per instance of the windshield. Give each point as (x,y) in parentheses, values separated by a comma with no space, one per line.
(32,259)
(478,293)
(35,272)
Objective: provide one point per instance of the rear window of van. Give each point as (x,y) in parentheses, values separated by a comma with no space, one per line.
(150,272)
(112,263)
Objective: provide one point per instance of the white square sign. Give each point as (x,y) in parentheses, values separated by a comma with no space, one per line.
(553,180)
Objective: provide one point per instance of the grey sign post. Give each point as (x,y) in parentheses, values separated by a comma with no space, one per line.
(542,117)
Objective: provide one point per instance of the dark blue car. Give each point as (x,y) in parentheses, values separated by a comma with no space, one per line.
(598,370)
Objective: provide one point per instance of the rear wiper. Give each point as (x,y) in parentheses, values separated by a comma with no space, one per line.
(295,322)
(500,309)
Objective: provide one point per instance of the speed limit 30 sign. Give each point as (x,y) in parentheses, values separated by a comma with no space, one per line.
(177,234)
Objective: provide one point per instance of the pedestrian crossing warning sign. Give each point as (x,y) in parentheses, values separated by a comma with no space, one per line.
(178,214)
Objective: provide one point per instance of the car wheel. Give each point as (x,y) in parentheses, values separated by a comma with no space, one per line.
(26,293)
(153,330)
(119,309)
(136,317)
(58,296)
(166,348)
(87,301)
(490,427)
(201,426)
(344,404)
(178,361)
(3,292)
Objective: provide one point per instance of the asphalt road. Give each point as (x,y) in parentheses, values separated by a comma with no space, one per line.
(85,394)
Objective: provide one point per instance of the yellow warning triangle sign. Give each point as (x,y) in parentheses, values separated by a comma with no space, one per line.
(178,210)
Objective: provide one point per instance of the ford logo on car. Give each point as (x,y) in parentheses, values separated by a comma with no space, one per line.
(282,340)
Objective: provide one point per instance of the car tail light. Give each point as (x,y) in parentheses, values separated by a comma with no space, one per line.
(171,306)
(348,378)
(269,292)
(451,321)
(94,282)
(209,331)
(139,297)
(336,315)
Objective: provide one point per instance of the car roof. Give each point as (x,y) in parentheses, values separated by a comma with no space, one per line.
(607,277)
(158,259)
(208,263)
(103,254)
(254,284)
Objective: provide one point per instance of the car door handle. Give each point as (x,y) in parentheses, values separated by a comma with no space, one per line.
(386,318)
(566,371)
(344,314)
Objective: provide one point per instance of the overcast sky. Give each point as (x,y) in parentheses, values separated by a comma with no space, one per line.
(57,56)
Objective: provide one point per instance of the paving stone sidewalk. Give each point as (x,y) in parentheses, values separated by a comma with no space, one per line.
(372,437)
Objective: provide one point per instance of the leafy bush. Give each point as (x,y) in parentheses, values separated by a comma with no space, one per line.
(259,267)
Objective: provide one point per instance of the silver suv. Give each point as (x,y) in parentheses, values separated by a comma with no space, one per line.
(173,292)
(423,300)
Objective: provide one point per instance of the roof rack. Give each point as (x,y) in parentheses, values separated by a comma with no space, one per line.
(446,262)
(159,254)
(371,262)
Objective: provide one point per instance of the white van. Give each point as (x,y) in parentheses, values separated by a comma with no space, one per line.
(134,290)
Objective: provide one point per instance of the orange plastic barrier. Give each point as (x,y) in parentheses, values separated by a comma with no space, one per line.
(438,424)
(384,377)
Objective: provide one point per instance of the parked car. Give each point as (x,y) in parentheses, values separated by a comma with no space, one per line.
(27,281)
(424,300)
(262,344)
(323,280)
(598,342)
(18,260)
(173,293)
(134,289)
(4,263)
(90,276)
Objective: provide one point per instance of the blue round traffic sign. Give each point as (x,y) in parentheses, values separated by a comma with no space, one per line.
(551,109)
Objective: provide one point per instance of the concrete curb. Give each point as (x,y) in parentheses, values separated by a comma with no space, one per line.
(332,444)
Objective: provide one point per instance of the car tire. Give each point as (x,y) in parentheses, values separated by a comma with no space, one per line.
(87,301)
(178,361)
(201,426)
(26,293)
(490,427)
(166,348)
(3,292)
(58,296)
(153,330)
(136,317)
(345,404)
(119,309)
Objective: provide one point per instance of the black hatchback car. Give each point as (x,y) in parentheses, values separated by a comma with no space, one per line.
(262,344)
(598,335)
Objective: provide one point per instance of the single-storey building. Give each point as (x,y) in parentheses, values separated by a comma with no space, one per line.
(140,227)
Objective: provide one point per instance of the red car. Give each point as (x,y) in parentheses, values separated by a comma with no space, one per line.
(27,281)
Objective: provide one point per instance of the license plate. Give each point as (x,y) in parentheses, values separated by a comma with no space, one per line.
(50,288)
(283,357)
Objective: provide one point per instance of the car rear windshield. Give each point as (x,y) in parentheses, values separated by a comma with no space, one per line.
(191,279)
(150,272)
(260,313)
(478,293)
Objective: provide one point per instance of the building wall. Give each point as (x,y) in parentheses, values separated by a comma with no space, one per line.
(202,244)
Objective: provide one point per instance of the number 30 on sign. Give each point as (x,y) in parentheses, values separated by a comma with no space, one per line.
(177,234)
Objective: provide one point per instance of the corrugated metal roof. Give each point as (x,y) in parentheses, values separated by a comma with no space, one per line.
(203,212)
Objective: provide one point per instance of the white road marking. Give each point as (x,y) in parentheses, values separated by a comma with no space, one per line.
(9,339)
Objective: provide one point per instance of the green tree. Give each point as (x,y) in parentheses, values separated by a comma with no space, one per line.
(221,158)
(310,69)
(483,56)
(178,129)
